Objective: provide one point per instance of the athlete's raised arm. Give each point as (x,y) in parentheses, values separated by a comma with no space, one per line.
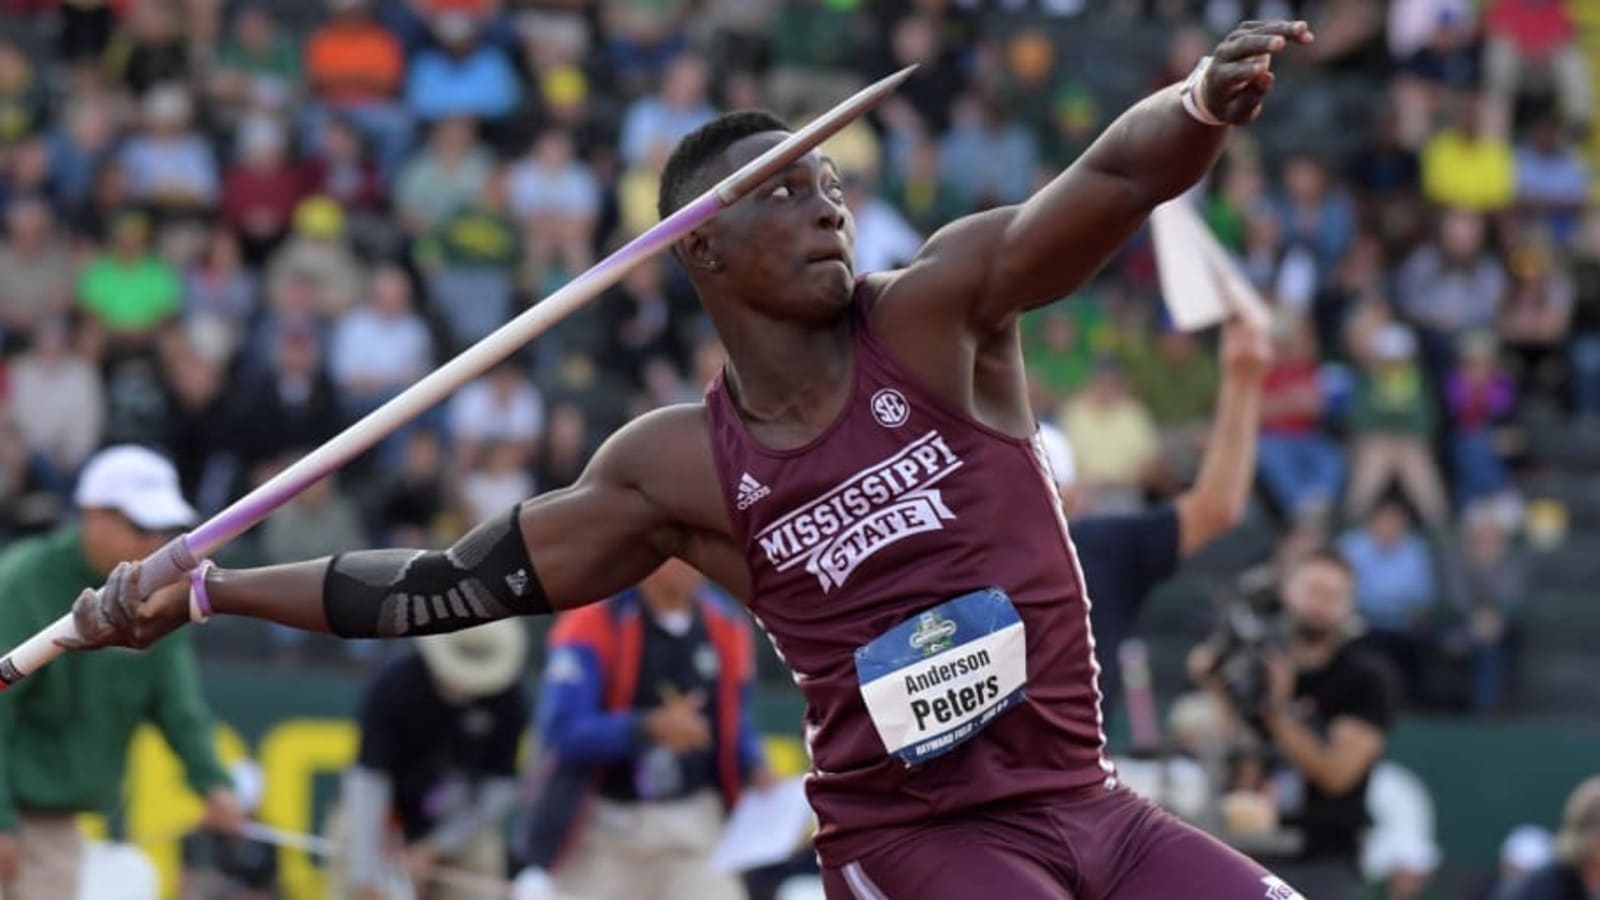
(559,550)
(996,264)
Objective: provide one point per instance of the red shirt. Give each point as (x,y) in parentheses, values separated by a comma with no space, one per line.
(1537,27)
(260,202)
(1284,378)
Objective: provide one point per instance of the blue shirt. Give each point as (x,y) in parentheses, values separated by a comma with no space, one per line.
(483,84)
(1393,584)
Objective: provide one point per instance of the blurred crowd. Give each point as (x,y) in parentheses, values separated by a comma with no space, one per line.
(232,228)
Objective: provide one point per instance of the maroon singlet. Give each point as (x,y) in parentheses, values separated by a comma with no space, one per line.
(900,504)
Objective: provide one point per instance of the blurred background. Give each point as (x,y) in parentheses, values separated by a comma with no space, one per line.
(232,228)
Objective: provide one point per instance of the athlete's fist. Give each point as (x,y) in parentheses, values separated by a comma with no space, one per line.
(119,615)
(1240,75)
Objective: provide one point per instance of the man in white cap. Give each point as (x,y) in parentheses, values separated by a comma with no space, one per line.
(64,735)
(436,772)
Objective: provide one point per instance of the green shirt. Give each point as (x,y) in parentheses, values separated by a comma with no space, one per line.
(472,237)
(1393,402)
(133,296)
(65,730)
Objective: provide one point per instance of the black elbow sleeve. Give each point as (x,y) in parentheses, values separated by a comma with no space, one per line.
(485,576)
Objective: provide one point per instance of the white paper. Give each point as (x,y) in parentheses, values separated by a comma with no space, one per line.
(766,828)
(1187,284)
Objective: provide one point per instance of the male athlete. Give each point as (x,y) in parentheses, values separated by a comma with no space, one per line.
(865,477)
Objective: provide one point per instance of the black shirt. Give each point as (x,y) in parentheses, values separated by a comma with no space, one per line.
(429,748)
(1557,881)
(685,664)
(1124,558)
(1352,685)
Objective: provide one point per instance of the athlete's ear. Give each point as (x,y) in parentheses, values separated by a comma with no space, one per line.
(695,251)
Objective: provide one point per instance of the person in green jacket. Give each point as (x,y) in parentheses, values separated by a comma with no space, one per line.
(64,733)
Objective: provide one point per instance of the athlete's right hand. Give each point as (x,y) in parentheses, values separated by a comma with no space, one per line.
(678,724)
(119,616)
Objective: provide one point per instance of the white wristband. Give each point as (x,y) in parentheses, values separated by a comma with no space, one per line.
(1193,97)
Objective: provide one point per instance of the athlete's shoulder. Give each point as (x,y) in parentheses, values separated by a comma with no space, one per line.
(656,441)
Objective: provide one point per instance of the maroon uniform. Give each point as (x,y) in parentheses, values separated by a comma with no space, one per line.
(900,505)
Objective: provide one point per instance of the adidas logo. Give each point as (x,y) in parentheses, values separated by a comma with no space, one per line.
(750,490)
(518,582)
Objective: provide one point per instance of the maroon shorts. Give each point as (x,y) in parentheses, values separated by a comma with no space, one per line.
(1112,846)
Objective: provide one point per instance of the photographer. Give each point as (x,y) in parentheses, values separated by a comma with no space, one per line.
(1323,707)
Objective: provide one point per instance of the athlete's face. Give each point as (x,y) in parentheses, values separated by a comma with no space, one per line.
(786,248)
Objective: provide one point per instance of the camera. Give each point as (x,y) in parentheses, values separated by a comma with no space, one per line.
(1247,633)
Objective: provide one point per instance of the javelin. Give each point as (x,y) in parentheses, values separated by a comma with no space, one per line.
(183,553)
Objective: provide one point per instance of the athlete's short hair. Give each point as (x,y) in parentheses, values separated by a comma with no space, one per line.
(685,170)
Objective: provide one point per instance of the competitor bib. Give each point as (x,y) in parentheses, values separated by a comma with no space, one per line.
(934,681)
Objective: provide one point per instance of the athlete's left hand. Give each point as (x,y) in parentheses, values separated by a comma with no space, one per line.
(1241,68)
(1246,349)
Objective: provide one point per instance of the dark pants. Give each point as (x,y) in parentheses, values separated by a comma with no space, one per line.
(1113,846)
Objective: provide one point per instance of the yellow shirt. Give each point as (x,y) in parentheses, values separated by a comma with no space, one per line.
(1111,444)
(1471,174)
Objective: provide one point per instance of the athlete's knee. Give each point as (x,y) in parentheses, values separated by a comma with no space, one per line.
(487,575)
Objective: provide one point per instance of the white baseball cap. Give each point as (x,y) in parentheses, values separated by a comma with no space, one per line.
(137,482)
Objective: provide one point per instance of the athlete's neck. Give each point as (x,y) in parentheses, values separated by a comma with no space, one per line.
(782,373)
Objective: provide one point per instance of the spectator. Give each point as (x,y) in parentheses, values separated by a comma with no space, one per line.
(1302,466)
(1584,348)
(1536,316)
(1525,849)
(496,479)
(220,292)
(464,76)
(261,192)
(436,772)
(222,867)
(355,68)
(638,322)
(1520,35)
(556,199)
(502,408)
(151,50)
(665,117)
(472,263)
(129,290)
(1395,589)
(1392,425)
(64,743)
(1487,581)
(1315,214)
(86,28)
(257,58)
(1176,382)
(884,239)
(1575,872)
(317,252)
(170,166)
(565,449)
(1451,286)
(408,502)
(1552,180)
(1481,394)
(916,188)
(57,402)
(85,137)
(986,158)
(338,168)
(443,178)
(91,220)
(289,406)
(320,520)
(22,99)
(637,191)
(646,705)
(1387,176)
(382,346)
(1464,166)
(644,39)
(1435,43)
(1114,439)
(37,270)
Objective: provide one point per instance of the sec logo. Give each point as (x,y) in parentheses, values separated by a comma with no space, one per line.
(890,408)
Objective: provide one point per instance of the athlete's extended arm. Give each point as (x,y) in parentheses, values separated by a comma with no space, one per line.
(1000,263)
(1217,500)
(559,550)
